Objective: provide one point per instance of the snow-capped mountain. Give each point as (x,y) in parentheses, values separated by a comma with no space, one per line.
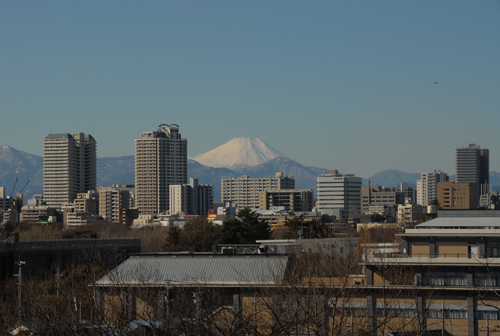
(239,153)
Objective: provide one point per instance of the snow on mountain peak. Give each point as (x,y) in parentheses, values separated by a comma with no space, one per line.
(239,153)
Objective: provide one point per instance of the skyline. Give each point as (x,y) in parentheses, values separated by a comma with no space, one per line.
(337,85)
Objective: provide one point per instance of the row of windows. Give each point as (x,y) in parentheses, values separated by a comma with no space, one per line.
(411,313)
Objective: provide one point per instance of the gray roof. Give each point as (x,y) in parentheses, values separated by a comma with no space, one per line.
(164,269)
(58,136)
(469,222)
(467,213)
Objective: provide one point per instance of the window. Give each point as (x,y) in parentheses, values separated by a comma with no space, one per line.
(448,314)
(444,279)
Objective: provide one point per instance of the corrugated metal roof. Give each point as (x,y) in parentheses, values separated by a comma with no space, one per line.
(467,213)
(164,269)
(470,222)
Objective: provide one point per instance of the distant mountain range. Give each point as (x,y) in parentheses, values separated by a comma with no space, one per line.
(24,166)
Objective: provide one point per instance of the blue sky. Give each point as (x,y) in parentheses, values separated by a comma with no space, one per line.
(333,84)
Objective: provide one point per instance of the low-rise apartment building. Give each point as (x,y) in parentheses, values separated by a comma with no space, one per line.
(377,195)
(292,199)
(245,190)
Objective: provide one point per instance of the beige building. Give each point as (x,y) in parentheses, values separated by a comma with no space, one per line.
(87,202)
(160,161)
(75,219)
(36,213)
(113,204)
(245,190)
(411,214)
(459,196)
(293,199)
(69,167)
(377,195)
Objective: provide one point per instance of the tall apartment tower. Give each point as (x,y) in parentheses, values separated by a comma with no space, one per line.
(160,160)
(472,165)
(427,186)
(339,194)
(69,167)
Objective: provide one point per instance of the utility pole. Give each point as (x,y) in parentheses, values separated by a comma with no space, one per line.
(58,281)
(19,294)
(442,315)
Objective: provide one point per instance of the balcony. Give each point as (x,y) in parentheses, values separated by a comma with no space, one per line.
(421,259)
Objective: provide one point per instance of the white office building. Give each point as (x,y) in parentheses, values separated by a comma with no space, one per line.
(339,194)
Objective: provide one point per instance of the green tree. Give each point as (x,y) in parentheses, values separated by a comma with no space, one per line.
(246,228)
(174,241)
(6,230)
(298,227)
(197,236)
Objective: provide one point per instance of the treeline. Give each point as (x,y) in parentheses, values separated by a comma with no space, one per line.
(200,235)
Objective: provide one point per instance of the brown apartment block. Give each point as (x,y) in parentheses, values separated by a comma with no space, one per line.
(293,199)
(113,204)
(458,196)
(87,202)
